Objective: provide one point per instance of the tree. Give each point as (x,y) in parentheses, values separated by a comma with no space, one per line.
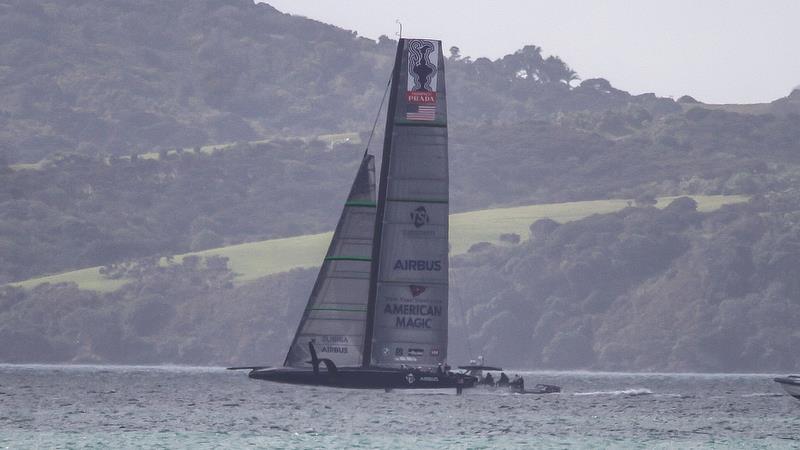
(645,199)
(542,228)
(511,238)
(455,53)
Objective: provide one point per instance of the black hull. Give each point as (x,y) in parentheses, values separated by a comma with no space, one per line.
(790,384)
(364,378)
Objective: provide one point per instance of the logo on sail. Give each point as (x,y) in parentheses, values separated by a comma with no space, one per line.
(420,216)
(333,349)
(421,88)
(416,291)
(418,265)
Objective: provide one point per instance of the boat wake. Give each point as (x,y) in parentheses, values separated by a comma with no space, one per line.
(628,392)
(763,394)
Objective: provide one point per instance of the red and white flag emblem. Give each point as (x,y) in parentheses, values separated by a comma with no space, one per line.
(416,290)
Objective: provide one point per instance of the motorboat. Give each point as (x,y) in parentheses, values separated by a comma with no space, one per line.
(791,384)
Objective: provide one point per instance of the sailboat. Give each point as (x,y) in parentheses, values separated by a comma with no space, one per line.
(377,315)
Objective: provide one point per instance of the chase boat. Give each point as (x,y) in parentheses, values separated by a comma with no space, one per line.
(791,384)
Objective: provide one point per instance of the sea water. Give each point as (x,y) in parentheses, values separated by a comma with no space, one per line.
(172,407)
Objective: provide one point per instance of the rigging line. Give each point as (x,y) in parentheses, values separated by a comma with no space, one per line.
(460,302)
(378,115)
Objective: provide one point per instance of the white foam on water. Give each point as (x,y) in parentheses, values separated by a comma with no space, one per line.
(763,394)
(635,391)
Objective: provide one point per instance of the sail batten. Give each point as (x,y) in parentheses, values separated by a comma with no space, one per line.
(409,280)
(348,258)
(336,314)
(417,200)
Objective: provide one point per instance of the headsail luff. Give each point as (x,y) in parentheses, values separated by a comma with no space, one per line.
(336,314)
(409,282)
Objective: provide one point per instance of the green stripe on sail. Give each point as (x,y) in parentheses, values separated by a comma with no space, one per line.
(361,203)
(417,200)
(348,258)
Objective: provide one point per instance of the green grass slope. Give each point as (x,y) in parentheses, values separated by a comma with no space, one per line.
(330,141)
(257,259)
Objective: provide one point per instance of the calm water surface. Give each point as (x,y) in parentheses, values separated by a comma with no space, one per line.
(102,407)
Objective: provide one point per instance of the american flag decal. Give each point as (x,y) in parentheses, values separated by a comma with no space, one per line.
(421,112)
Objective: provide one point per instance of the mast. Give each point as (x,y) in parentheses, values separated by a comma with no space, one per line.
(381,205)
(407,307)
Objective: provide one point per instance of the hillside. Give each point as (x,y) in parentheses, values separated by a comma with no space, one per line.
(642,288)
(77,211)
(110,108)
(255,260)
(134,131)
(114,78)
(117,77)
(786,105)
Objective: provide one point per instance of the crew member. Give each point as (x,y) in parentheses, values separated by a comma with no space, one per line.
(518,384)
(503,381)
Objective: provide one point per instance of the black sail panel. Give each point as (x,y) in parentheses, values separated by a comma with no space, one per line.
(336,314)
(409,291)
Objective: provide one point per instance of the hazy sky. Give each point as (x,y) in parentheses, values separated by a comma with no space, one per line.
(717,51)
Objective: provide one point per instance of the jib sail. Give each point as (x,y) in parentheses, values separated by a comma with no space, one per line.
(336,314)
(408,292)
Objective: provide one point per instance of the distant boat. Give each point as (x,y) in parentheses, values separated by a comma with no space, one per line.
(377,315)
(540,389)
(791,384)
(476,369)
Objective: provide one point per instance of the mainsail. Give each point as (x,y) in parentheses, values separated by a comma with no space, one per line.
(408,289)
(336,314)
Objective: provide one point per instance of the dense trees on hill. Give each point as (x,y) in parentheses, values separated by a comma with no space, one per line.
(111,77)
(577,157)
(641,289)
(91,86)
(185,313)
(82,211)
(79,211)
(102,77)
